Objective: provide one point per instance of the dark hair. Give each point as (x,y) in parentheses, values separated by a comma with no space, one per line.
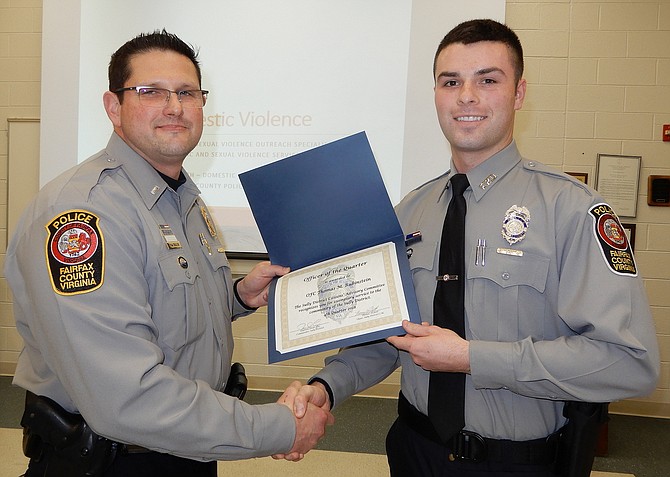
(474,31)
(119,65)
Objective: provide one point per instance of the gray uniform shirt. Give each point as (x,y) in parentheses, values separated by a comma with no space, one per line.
(560,314)
(136,334)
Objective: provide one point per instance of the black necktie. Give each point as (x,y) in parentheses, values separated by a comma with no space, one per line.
(446,394)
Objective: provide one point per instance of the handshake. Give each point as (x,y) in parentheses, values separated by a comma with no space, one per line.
(311,408)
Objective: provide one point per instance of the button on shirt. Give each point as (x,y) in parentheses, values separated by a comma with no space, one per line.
(547,318)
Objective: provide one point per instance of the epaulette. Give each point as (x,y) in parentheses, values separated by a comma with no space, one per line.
(541,168)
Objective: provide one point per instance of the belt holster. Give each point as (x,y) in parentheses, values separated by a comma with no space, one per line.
(64,439)
(577,444)
(237,382)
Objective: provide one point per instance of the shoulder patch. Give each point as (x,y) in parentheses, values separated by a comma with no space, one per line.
(613,241)
(75,252)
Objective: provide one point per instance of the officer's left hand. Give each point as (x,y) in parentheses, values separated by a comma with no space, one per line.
(253,289)
(434,348)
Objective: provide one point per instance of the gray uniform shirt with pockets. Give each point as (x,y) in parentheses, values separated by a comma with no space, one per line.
(137,336)
(555,308)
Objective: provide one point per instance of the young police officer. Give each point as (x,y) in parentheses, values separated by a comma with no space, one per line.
(554,307)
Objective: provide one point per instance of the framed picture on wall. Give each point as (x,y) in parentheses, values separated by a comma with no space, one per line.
(618,180)
(630,233)
(580,176)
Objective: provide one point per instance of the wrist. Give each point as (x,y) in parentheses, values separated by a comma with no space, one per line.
(318,382)
(239,298)
(466,357)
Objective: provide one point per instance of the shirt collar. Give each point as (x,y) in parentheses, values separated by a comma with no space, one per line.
(485,175)
(146,180)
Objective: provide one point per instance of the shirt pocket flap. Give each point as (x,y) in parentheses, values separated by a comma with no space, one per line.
(217,260)
(177,268)
(512,270)
(422,255)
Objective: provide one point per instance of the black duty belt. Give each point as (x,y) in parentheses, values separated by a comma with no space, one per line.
(471,446)
(133,449)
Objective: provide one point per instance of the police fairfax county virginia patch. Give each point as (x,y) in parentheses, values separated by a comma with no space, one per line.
(613,241)
(75,252)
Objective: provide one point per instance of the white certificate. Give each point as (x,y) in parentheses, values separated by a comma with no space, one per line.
(346,297)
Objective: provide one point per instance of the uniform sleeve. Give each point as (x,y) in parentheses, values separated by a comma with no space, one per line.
(357,368)
(101,344)
(607,348)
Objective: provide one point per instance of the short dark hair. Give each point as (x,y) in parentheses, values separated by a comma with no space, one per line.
(119,65)
(473,31)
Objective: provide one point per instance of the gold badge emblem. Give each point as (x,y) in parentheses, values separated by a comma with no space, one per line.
(208,220)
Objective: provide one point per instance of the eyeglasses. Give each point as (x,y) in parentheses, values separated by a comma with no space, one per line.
(160,97)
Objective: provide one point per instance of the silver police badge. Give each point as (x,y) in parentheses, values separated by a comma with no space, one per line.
(515,224)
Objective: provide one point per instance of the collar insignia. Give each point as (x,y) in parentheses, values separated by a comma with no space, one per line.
(487,182)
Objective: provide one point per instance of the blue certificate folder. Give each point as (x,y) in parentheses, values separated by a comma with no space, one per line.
(321,204)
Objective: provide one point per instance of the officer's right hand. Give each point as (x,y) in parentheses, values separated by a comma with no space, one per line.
(309,430)
(310,424)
